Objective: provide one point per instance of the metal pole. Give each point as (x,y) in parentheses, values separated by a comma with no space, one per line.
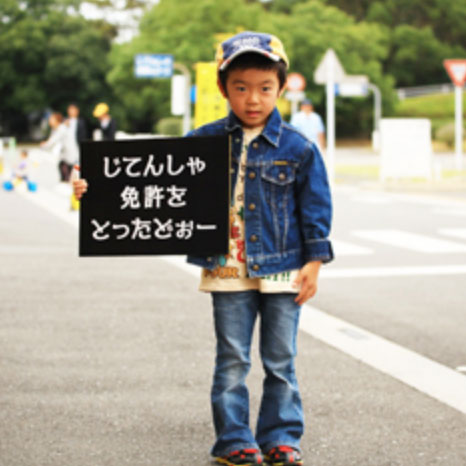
(377,114)
(458,127)
(330,91)
(187,109)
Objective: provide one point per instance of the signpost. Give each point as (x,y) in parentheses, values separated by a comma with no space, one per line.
(328,72)
(150,65)
(456,69)
(155,196)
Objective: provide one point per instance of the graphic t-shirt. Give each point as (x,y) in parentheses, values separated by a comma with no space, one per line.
(231,274)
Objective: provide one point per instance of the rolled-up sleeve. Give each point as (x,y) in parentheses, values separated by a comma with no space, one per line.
(314,205)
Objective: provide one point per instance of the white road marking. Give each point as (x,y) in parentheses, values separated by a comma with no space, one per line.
(429,377)
(411,368)
(459,211)
(453,232)
(434,379)
(344,248)
(406,271)
(411,241)
(371,198)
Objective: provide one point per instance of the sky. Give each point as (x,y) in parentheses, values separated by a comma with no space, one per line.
(127,21)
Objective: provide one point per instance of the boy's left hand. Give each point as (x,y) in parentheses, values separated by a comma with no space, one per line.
(306,281)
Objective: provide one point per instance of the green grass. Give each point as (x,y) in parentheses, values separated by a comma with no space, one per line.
(439,108)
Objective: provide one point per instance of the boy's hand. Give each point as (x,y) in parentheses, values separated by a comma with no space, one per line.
(306,281)
(79,188)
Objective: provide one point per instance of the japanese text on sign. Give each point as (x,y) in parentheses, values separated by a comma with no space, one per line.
(155,201)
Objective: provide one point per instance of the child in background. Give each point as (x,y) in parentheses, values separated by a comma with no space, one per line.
(20,174)
(281,210)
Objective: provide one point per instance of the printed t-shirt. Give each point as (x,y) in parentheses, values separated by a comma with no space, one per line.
(231,274)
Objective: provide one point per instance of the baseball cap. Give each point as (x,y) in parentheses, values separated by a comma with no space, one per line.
(100,109)
(306,102)
(247,41)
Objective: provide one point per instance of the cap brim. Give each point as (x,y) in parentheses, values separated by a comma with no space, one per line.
(270,55)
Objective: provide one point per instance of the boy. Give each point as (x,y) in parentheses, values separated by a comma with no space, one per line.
(280,219)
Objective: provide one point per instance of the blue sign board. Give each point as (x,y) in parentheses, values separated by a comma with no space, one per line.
(153,65)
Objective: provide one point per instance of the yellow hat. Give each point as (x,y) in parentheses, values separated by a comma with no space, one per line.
(100,109)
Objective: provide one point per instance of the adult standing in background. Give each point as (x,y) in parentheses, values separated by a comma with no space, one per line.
(107,123)
(76,124)
(59,142)
(310,123)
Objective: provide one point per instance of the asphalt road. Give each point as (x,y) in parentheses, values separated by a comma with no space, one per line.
(109,361)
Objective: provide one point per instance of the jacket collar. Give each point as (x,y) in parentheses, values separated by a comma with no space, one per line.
(272,129)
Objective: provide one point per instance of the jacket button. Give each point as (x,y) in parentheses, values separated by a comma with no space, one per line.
(255,267)
(253,238)
(252,206)
(252,175)
(238,140)
(255,145)
(282,176)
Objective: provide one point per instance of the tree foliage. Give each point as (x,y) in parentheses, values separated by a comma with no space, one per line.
(187,30)
(49,58)
(50,55)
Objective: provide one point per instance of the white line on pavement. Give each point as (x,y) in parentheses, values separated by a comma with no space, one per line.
(413,369)
(344,248)
(411,241)
(407,271)
(454,232)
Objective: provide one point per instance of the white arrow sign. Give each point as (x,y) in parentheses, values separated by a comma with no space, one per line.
(329,61)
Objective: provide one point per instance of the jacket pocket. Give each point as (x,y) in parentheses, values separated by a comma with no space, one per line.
(277,191)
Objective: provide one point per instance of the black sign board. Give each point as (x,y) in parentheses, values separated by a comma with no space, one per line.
(155,196)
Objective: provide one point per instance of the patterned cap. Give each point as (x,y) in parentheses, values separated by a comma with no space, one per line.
(244,42)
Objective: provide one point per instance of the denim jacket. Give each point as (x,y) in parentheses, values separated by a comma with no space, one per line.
(287,203)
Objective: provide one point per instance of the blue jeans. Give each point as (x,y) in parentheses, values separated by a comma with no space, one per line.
(280,420)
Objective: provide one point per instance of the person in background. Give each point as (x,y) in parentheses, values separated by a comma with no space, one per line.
(59,142)
(107,123)
(76,124)
(310,123)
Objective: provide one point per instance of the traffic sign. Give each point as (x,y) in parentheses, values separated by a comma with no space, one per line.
(295,82)
(329,62)
(153,65)
(456,69)
(352,86)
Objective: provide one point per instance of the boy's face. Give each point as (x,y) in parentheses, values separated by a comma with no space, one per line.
(252,94)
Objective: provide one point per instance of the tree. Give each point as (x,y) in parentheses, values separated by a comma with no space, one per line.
(49,58)
(186,29)
(313,27)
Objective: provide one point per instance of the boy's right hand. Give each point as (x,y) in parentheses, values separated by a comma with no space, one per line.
(79,188)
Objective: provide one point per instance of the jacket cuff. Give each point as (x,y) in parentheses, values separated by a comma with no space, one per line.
(318,250)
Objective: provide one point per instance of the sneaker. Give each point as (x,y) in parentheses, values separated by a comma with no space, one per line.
(283,455)
(245,457)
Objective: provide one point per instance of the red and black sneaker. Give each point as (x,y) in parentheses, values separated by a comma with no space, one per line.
(282,455)
(245,457)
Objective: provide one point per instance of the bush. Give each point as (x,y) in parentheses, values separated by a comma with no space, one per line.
(446,134)
(170,126)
